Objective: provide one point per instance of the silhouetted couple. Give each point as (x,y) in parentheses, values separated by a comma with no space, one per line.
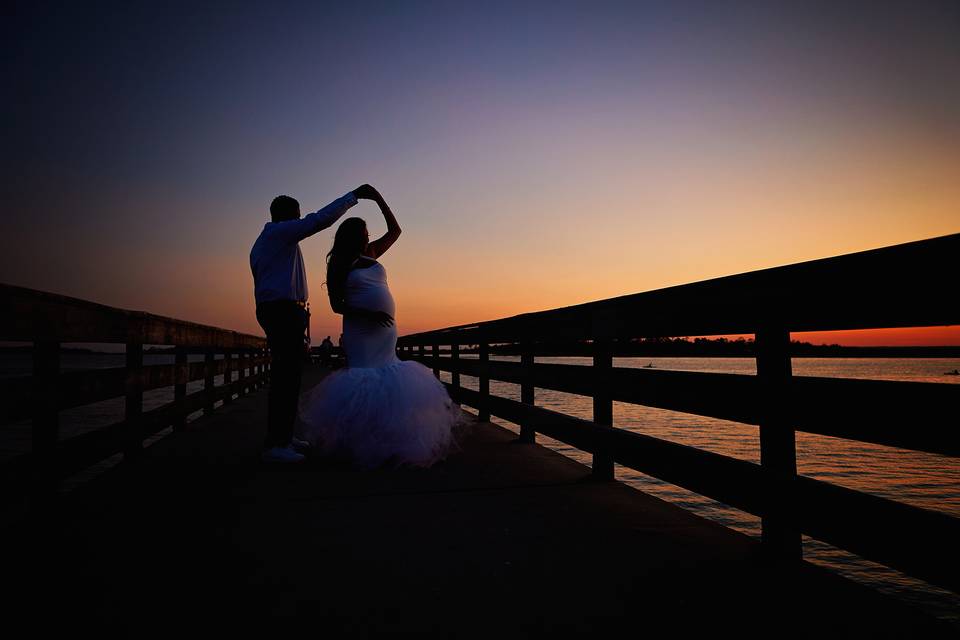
(377,410)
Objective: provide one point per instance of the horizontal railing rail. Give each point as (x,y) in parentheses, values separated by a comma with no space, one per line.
(900,286)
(48,321)
(866,410)
(906,285)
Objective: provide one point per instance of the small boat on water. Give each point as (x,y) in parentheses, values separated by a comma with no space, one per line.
(649,366)
(955,372)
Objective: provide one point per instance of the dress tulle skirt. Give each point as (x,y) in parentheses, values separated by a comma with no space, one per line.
(397,414)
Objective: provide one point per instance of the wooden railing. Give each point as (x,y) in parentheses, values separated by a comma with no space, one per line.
(48,321)
(909,285)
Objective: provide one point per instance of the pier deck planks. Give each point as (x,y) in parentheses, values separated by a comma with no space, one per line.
(501,540)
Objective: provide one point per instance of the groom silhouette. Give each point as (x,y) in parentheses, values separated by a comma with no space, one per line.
(280,289)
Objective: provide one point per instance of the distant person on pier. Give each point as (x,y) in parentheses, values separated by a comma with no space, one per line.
(280,289)
(326,351)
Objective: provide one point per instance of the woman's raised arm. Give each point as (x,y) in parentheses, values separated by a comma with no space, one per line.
(378,247)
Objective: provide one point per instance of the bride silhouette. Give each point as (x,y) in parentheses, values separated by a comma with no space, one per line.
(378,410)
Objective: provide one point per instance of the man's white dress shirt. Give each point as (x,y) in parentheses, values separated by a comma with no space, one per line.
(275,259)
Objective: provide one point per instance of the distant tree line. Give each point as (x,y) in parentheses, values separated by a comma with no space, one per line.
(715,347)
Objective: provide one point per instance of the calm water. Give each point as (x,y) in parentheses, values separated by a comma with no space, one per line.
(926,480)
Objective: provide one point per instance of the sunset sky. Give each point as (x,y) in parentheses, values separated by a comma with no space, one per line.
(536,154)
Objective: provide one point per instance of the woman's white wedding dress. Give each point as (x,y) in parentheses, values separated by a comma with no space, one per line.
(378,409)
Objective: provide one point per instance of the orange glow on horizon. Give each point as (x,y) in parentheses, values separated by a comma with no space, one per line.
(908,337)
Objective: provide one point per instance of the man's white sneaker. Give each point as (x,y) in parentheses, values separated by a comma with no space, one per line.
(281,454)
(300,446)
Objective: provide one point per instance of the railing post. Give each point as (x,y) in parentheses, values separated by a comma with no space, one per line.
(602,404)
(227,374)
(263,369)
(238,372)
(528,433)
(435,348)
(133,429)
(603,322)
(242,373)
(454,373)
(483,353)
(46,414)
(181,374)
(208,381)
(778,450)
(421,352)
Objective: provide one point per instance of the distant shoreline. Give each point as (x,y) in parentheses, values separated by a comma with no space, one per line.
(674,349)
(728,349)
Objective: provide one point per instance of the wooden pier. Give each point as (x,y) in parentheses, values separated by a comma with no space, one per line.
(192,534)
(501,540)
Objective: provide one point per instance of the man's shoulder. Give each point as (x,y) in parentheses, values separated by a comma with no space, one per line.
(265,233)
(263,238)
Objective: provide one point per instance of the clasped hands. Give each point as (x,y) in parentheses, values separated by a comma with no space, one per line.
(367,192)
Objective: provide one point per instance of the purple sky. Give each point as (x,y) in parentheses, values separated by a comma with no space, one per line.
(536,154)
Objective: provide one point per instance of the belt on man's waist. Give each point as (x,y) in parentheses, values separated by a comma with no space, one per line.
(300,303)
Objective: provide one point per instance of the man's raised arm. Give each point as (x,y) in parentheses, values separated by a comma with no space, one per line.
(297,230)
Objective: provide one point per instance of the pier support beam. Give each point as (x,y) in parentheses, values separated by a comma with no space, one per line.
(46,415)
(782,543)
(228,375)
(208,381)
(602,405)
(527,433)
(180,387)
(455,375)
(133,430)
(483,412)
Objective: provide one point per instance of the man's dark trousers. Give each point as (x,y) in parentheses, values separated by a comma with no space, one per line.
(284,322)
